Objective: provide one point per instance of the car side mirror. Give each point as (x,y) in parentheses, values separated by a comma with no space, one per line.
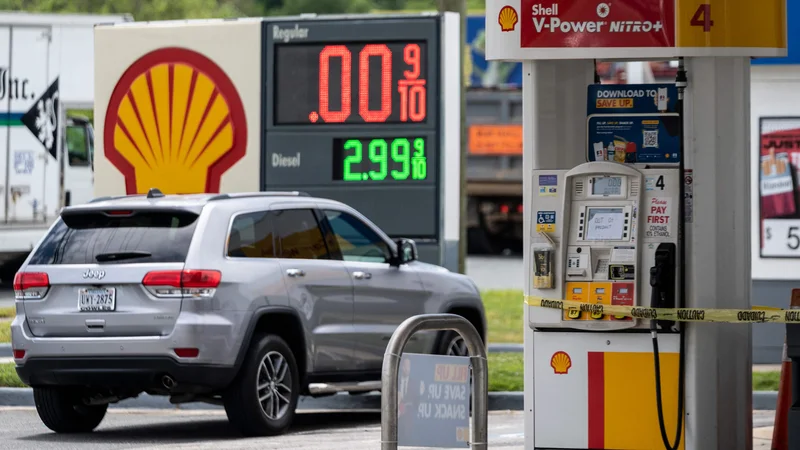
(406,251)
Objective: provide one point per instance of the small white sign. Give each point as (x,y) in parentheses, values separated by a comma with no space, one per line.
(658,220)
(781,238)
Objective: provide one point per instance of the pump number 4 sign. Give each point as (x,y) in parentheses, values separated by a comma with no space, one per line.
(730,23)
(781,238)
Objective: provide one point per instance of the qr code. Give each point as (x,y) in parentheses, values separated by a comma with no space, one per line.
(650,139)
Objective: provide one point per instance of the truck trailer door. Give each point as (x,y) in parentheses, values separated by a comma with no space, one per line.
(30,125)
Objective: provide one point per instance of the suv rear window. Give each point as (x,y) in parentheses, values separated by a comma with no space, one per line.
(143,237)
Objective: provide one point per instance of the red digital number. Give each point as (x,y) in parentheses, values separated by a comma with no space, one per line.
(325,56)
(411,88)
(702,18)
(386,83)
(411,56)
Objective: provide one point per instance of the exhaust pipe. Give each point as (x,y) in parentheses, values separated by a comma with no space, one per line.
(168,382)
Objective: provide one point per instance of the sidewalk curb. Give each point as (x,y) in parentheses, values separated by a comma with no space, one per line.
(5,349)
(498,401)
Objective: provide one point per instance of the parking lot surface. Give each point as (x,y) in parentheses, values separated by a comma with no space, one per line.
(208,429)
(154,429)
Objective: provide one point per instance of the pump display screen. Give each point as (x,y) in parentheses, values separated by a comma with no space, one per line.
(605,224)
(607,186)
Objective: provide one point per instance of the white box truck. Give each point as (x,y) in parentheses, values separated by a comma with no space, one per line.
(46,71)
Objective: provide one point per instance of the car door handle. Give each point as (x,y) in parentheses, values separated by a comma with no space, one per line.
(295,273)
(362,275)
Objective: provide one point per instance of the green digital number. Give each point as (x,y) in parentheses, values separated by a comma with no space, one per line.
(401,153)
(355,158)
(378,154)
(419,163)
(409,155)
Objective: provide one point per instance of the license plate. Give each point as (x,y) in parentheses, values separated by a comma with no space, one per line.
(97,299)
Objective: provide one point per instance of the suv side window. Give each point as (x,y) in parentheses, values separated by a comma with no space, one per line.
(251,236)
(298,234)
(357,241)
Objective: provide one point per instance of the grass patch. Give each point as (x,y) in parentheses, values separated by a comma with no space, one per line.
(506,372)
(5,332)
(504,314)
(8,376)
(8,313)
(766,381)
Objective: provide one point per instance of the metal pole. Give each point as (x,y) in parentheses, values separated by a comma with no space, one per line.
(480,375)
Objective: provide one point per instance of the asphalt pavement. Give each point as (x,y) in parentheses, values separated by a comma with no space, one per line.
(331,430)
(6,296)
(496,272)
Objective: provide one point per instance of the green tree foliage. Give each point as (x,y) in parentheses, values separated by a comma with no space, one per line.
(142,9)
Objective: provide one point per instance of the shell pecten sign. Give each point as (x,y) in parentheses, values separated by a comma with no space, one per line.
(174,121)
(507,18)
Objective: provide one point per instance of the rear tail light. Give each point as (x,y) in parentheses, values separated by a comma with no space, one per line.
(182,283)
(519,208)
(187,352)
(504,209)
(31,285)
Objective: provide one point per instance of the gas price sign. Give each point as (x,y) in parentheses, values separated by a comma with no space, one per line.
(353,83)
(353,111)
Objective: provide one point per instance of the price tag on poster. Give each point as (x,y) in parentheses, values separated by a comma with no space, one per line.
(779,205)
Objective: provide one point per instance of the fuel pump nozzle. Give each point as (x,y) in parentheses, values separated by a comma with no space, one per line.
(662,282)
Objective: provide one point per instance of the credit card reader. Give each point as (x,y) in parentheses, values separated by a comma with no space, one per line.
(595,233)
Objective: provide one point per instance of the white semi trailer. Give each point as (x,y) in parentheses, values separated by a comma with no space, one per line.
(46,72)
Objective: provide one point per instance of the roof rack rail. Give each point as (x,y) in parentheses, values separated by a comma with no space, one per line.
(259,194)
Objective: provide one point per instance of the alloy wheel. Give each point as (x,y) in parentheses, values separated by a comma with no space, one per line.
(457,347)
(274,385)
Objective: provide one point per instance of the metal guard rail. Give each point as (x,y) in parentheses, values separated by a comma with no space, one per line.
(479,427)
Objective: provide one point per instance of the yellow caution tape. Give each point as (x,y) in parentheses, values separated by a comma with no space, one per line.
(759,314)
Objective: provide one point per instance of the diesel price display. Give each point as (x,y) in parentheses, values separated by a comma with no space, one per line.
(352,83)
(379,159)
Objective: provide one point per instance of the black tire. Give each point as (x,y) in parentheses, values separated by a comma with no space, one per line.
(62,410)
(445,340)
(241,400)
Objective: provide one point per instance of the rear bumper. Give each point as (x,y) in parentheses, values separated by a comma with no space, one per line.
(135,373)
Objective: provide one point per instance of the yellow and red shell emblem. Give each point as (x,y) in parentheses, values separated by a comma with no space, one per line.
(507,18)
(560,362)
(175,122)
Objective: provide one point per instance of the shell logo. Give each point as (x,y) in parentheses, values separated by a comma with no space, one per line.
(176,122)
(560,362)
(507,18)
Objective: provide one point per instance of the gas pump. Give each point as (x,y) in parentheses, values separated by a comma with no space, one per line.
(616,243)
(620,209)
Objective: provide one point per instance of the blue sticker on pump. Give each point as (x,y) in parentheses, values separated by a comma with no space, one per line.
(548,180)
(545,217)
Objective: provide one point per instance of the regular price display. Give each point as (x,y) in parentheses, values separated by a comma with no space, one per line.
(351,83)
(381,159)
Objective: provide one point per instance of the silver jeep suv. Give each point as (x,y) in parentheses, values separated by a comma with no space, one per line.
(244,300)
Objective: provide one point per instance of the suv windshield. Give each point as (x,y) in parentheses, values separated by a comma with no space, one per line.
(143,237)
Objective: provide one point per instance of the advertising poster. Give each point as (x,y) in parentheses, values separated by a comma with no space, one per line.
(433,398)
(633,123)
(779,163)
